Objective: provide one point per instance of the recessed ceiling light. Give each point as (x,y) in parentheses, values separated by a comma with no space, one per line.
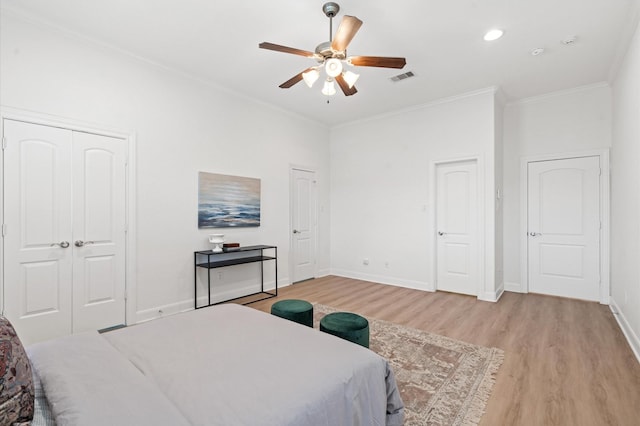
(493,34)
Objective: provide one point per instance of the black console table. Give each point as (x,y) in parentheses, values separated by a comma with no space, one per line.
(233,256)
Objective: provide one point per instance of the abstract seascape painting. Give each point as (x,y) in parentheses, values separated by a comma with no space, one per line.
(228,201)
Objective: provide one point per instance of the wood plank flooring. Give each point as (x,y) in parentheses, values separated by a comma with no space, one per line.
(566,361)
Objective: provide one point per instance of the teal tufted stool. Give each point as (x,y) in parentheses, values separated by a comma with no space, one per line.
(299,311)
(348,326)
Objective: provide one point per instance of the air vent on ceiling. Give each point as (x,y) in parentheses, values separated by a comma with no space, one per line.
(402,76)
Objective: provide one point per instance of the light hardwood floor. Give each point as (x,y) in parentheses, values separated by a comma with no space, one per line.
(566,361)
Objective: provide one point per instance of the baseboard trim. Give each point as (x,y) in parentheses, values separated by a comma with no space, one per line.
(162,311)
(323,273)
(492,296)
(628,332)
(381,279)
(187,305)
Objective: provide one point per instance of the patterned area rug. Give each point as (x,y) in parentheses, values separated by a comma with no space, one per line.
(442,381)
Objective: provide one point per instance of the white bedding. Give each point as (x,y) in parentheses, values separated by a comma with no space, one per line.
(87,382)
(224,365)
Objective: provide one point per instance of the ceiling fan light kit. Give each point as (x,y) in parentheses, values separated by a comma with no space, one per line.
(311,76)
(351,78)
(329,88)
(333,67)
(332,56)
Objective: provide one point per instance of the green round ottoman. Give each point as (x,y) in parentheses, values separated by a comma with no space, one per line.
(299,311)
(348,326)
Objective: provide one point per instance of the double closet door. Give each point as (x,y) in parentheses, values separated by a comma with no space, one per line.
(64,230)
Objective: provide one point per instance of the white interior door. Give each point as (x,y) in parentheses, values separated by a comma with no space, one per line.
(98,231)
(37,245)
(563,200)
(303,221)
(64,248)
(457,228)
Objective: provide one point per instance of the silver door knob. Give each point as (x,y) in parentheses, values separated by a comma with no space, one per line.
(535,234)
(442,233)
(80,243)
(61,244)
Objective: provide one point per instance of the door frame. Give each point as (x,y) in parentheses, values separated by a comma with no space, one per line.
(293,167)
(480,221)
(43,119)
(603,155)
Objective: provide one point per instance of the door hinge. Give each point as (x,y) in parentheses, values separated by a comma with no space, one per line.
(4,143)
(4,229)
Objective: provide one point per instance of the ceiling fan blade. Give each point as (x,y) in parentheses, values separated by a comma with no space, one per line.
(348,91)
(293,80)
(348,28)
(378,61)
(285,49)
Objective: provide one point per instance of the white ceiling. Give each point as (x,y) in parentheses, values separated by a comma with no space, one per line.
(217,41)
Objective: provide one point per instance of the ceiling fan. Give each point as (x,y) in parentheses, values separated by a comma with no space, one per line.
(333,54)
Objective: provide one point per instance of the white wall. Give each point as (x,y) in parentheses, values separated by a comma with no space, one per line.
(563,122)
(625,195)
(382,190)
(182,126)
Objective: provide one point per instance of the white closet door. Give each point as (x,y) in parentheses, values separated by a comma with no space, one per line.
(457,239)
(65,212)
(564,227)
(98,231)
(304,225)
(38,250)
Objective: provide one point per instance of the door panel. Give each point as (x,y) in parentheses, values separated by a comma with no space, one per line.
(41,292)
(304,225)
(456,199)
(98,279)
(562,260)
(99,231)
(564,227)
(560,203)
(37,265)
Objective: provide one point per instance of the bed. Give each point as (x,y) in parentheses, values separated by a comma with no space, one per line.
(224,365)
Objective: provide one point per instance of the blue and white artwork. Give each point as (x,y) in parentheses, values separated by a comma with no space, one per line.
(227,201)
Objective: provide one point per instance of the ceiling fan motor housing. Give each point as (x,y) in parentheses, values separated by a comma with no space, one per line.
(325,51)
(331,9)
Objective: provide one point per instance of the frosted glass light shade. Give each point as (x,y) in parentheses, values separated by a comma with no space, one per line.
(351,78)
(329,88)
(310,77)
(333,67)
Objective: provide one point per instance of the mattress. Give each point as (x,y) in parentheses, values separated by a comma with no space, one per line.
(223,365)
